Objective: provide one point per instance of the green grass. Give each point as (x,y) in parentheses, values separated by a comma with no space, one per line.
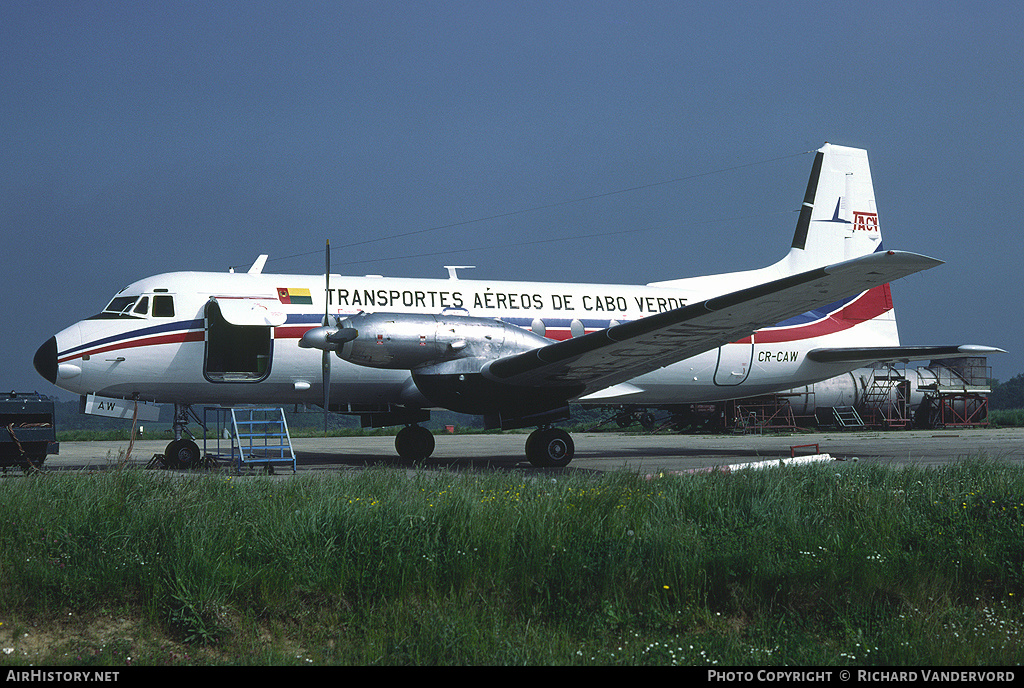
(823,564)
(1006,418)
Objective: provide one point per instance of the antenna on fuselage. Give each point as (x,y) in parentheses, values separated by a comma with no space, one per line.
(257,267)
(452,275)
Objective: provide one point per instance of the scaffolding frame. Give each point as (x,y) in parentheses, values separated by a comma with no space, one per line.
(887,398)
(960,393)
(772,412)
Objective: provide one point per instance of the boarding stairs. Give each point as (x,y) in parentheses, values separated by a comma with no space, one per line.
(256,437)
(847,417)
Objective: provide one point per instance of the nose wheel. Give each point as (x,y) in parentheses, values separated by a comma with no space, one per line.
(182,454)
(549,447)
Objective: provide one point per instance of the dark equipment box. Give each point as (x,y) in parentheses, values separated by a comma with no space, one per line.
(27,431)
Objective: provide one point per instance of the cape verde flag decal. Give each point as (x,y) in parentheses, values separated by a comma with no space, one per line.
(294,296)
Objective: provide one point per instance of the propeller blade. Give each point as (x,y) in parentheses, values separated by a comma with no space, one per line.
(342,335)
(327,281)
(327,385)
(326,359)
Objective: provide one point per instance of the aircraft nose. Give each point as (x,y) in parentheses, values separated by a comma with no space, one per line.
(45,360)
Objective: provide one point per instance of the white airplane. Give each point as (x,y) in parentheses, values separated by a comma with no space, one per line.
(517,353)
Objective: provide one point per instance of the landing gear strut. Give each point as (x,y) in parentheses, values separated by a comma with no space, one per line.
(549,447)
(414,443)
(181,452)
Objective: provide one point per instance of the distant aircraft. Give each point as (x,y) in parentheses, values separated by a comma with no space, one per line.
(516,353)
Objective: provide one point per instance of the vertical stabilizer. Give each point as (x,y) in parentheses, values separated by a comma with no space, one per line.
(838,219)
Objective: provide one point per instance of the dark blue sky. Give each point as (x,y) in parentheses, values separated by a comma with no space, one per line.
(146,137)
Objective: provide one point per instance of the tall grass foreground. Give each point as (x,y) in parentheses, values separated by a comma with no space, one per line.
(822,564)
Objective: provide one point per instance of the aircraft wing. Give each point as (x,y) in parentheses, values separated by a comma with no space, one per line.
(883,354)
(608,357)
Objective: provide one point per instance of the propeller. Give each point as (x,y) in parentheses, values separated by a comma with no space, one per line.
(326,359)
(328,338)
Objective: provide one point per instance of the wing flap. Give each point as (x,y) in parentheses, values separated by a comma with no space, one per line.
(622,352)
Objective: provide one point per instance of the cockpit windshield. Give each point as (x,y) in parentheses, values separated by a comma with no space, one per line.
(138,307)
(121,305)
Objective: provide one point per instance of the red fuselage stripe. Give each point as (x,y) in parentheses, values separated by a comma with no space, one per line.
(176,338)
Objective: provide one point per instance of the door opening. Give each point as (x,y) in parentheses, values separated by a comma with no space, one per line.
(236,353)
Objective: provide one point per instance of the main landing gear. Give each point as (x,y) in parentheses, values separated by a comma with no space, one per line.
(545,447)
(549,448)
(414,443)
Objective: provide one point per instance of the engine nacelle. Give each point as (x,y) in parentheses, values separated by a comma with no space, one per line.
(409,341)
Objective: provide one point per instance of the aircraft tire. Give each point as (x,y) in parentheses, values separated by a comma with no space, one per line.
(181,454)
(550,448)
(414,443)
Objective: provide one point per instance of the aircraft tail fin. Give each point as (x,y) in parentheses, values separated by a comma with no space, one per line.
(838,221)
(838,218)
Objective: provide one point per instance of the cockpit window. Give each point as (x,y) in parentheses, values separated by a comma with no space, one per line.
(137,307)
(157,306)
(163,306)
(120,304)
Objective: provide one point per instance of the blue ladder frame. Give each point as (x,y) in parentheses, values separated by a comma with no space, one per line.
(259,436)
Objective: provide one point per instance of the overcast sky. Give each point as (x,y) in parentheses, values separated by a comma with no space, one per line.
(146,137)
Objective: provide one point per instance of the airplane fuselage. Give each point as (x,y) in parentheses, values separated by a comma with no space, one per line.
(232,338)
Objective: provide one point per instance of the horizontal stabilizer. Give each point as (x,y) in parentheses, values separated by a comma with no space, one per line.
(882,354)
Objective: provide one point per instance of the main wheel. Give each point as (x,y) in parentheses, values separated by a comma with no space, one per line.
(414,443)
(550,447)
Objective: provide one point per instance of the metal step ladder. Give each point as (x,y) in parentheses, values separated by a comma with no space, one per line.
(258,437)
(847,417)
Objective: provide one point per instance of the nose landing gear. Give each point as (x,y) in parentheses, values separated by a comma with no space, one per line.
(182,453)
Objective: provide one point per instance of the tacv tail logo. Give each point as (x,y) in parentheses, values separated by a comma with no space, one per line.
(865,222)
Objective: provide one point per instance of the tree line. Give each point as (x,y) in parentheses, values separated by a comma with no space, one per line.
(1007,395)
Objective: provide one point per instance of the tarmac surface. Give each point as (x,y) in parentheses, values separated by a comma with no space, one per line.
(595,452)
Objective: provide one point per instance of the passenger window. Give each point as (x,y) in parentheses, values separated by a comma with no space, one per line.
(142,307)
(163,306)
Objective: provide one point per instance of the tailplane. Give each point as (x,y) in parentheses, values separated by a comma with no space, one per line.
(839,221)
